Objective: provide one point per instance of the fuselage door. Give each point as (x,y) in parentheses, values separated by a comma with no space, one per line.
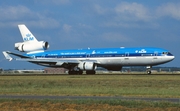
(126,54)
(43,56)
(126,59)
(88,55)
(155,55)
(33,56)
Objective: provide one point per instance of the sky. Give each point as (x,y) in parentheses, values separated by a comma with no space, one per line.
(74,24)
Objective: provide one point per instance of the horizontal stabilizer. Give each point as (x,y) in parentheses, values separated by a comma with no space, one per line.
(7,56)
(18,55)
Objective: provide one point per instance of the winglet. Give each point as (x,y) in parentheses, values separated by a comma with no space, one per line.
(7,56)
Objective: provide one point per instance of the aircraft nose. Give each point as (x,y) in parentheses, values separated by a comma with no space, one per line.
(171,57)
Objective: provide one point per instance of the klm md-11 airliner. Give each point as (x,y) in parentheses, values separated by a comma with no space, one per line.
(79,60)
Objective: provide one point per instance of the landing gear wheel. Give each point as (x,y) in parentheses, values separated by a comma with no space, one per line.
(72,72)
(149,72)
(80,72)
(91,72)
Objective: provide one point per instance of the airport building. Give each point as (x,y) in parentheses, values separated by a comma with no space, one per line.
(55,70)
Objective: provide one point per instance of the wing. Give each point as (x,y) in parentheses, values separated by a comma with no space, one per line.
(46,62)
(49,62)
(56,62)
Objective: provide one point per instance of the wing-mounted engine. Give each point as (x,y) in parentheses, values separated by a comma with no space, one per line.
(31,46)
(87,66)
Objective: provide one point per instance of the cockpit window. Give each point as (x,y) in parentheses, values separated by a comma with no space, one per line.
(166,53)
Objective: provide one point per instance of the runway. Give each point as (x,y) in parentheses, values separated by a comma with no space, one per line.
(174,100)
(116,74)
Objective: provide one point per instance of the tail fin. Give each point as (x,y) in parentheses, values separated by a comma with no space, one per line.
(30,43)
(26,34)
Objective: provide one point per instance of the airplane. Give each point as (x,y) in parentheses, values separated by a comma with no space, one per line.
(79,60)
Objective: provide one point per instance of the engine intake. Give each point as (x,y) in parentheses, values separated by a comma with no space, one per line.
(31,46)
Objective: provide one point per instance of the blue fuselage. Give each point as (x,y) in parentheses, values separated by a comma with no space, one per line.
(111,56)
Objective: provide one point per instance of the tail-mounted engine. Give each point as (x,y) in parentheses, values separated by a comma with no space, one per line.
(87,66)
(31,46)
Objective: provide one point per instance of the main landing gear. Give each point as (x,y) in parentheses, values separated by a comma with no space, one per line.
(73,72)
(148,69)
(91,72)
(80,72)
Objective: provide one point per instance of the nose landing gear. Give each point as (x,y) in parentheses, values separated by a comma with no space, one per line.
(148,69)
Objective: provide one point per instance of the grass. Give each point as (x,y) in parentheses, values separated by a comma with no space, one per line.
(165,86)
(89,85)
